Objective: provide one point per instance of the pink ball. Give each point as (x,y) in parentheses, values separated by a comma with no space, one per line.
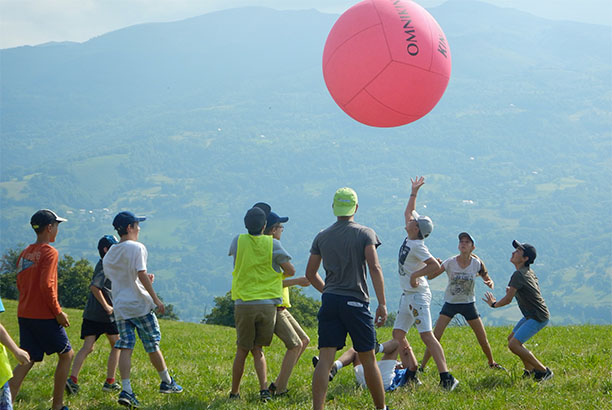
(386,62)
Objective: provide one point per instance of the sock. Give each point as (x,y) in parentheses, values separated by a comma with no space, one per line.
(338,364)
(444,376)
(381,348)
(110,380)
(127,386)
(165,376)
(74,379)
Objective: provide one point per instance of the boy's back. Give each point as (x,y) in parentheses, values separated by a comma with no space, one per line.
(121,265)
(37,282)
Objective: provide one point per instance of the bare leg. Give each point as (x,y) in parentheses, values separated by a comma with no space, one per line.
(79,358)
(238,368)
(125,363)
(481,336)
(373,378)
(157,358)
(349,357)
(320,377)
(61,374)
(391,348)
(441,324)
(406,354)
(529,360)
(113,357)
(435,348)
(289,361)
(19,374)
(259,361)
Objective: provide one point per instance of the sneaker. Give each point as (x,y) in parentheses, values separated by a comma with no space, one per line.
(450,383)
(497,366)
(378,347)
(128,400)
(234,395)
(414,381)
(110,387)
(264,395)
(542,376)
(421,369)
(171,387)
(527,374)
(71,387)
(332,372)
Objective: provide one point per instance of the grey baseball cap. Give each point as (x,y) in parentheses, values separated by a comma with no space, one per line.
(425,223)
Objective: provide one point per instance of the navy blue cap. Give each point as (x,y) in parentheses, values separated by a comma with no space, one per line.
(125,218)
(273,219)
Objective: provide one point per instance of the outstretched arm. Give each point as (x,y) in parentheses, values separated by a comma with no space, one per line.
(301,281)
(417,183)
(490,299)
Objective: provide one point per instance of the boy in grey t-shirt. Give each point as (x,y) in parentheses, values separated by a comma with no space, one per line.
(524,285)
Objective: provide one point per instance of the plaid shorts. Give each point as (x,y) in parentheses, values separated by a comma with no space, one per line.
(148,331)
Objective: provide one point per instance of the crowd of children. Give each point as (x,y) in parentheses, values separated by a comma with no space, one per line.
(122,301)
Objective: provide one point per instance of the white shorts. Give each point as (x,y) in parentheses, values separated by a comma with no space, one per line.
(413,310)
(387,370)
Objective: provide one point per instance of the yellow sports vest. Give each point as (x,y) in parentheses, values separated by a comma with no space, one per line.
(286,298)
(5,366)
(253,277)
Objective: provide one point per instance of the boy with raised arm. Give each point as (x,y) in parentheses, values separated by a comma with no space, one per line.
(415,262)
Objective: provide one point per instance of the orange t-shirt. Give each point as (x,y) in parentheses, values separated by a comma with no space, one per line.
(37,282)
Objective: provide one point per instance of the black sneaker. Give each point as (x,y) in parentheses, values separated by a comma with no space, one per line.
(450,383)
(421,369)
(527,374)
(414,381)
(315,360)
(332,372)
(543,376)
(234,395)
(497,366)
(264,395)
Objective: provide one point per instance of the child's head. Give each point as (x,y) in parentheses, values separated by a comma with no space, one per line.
(255,220)
(45,223)
(524,254)
(419,227)
(105,243)
(466,243)
(127,223)
(274,225)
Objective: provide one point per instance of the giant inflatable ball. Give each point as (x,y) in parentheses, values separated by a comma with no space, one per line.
(386,62)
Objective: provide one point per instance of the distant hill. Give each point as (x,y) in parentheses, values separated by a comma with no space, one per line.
(192,122)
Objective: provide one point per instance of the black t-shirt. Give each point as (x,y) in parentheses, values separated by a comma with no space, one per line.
(93,309)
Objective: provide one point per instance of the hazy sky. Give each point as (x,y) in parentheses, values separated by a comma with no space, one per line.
(31,22)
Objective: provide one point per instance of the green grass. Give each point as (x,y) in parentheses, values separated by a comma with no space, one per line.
(200,357)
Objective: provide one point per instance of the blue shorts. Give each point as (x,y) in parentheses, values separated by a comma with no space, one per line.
(526,328)
(40,336)
(340,315)
(467,310)
(148,331)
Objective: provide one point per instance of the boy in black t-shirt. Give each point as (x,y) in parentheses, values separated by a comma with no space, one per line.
(98,319)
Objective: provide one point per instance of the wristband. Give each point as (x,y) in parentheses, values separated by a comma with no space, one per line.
(413,195)
(493,304)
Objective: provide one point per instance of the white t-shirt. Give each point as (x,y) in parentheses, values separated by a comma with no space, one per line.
(121,265)
(412,256)
(460,287)
(387,371)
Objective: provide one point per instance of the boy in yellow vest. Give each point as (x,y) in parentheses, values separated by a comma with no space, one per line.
(256,290)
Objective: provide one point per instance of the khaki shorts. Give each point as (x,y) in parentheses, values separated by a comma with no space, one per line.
(254,325)
(288,329)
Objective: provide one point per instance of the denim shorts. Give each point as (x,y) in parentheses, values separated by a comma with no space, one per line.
(525,329)
(148,331)
(340,315)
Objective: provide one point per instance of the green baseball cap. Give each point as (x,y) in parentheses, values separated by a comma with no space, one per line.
(345,202)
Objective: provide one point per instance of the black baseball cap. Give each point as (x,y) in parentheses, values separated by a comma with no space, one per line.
(264,207)
(45,217)
(528,250)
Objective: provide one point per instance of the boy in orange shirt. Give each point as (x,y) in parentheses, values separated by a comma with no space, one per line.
(41,320)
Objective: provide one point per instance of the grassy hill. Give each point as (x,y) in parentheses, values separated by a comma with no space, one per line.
(200,357)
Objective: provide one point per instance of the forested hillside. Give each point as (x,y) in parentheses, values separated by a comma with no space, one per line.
(192,122)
